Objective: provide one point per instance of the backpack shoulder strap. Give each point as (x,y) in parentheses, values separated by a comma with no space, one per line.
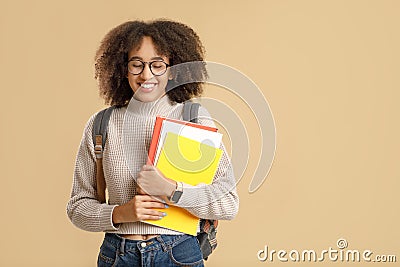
(208,228)
(99,133)
(191,111)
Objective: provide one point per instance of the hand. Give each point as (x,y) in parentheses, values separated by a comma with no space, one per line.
(139,208)
(139,190)
(153,182)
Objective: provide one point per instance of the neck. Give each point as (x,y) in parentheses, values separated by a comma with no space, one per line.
(161,106)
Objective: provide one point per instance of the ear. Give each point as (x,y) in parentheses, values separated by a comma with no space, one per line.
(170,75)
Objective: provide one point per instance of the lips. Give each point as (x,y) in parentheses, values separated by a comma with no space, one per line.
(147,87)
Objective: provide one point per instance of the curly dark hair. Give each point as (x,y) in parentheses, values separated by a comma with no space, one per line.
(172,39)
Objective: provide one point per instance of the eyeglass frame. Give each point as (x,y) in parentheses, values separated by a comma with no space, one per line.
(148,63)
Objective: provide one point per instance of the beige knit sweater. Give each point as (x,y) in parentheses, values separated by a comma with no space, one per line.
(129,135)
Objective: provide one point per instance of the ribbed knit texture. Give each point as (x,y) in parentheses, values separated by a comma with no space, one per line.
(129,134)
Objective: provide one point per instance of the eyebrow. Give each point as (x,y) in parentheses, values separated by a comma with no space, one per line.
(153,58)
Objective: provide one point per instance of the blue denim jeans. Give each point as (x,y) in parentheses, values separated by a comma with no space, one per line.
(163,250)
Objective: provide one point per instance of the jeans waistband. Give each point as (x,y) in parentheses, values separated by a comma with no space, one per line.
(165,242)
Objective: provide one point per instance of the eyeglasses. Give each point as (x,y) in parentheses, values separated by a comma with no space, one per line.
(157,68)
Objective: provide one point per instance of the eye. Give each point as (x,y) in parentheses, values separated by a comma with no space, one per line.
(136,64)
(158,64)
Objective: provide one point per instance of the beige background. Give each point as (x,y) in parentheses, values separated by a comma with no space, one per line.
(330,72)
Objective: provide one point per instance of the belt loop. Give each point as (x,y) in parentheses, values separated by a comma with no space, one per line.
(162,243)
(122,247)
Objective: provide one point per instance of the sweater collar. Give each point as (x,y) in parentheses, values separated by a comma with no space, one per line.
(161,106)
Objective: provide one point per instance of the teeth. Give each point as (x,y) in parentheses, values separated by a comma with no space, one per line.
(147,85)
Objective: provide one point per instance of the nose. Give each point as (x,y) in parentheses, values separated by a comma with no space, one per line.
(146,73)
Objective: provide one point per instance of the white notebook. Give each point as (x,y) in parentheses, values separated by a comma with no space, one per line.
(200,135)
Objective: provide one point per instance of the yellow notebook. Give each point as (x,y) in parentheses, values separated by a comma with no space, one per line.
(189,161)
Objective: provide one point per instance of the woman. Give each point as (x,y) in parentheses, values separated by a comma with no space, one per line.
(132,65)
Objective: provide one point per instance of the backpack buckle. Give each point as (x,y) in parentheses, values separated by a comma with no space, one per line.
(98,148)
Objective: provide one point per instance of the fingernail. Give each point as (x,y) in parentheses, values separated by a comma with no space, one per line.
(164,214)
(166,206)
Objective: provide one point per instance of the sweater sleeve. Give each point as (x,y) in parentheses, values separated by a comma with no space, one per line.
(219,200)
(83,209)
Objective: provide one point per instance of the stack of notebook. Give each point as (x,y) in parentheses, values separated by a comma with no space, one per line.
(185,152)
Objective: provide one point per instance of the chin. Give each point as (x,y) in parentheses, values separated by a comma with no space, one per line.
(146,97)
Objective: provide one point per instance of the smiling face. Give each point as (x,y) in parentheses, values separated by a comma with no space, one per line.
(146,86)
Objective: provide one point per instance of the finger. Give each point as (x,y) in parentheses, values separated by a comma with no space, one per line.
(148,198)
(150,217)
(151,204)
(150,214)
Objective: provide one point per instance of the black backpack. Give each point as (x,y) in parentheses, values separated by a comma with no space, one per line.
(208,228)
